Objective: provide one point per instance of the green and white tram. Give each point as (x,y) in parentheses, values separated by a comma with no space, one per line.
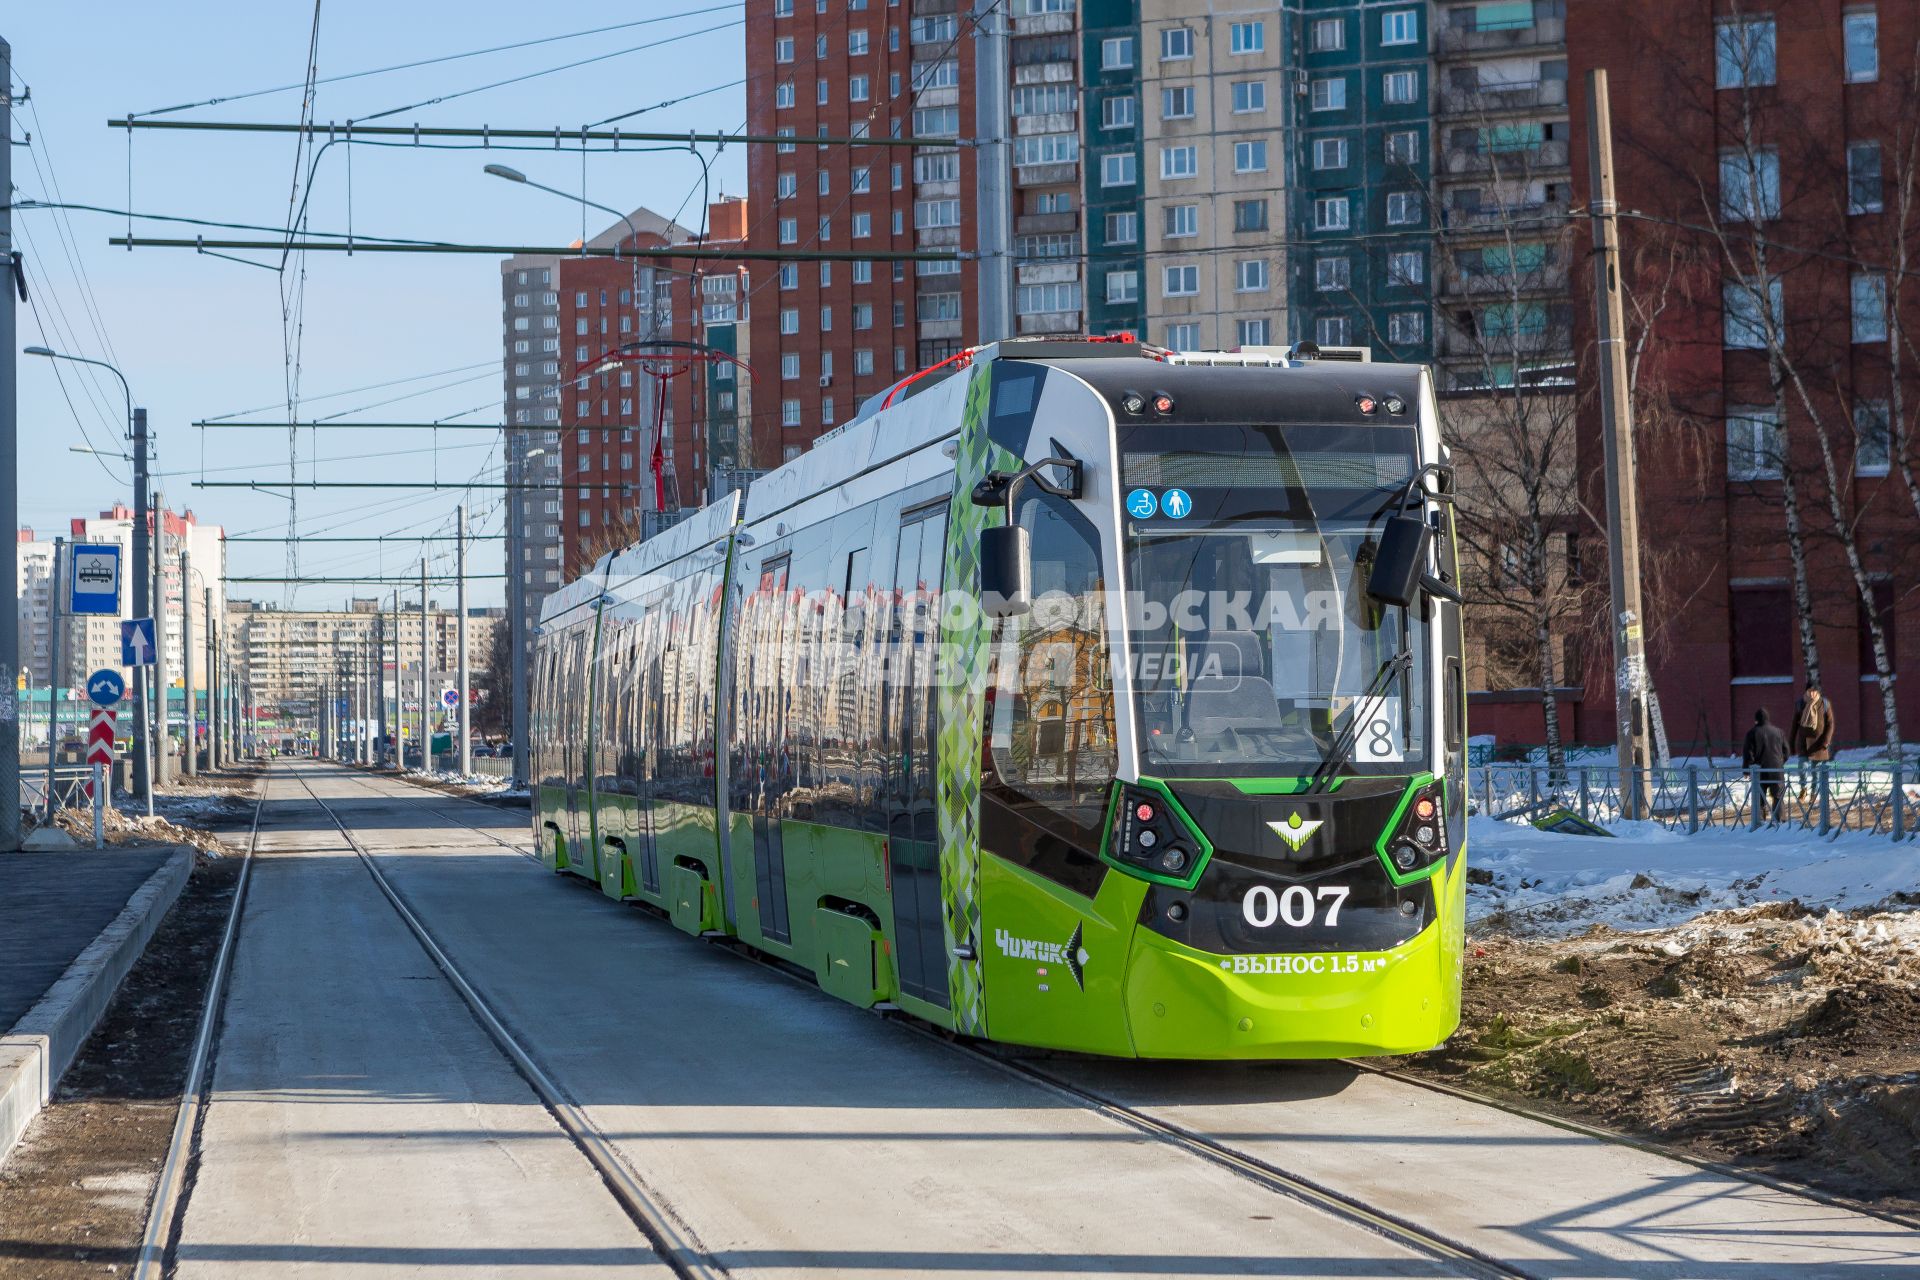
(1176,770)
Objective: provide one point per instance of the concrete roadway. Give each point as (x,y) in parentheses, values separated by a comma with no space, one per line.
(364,1125)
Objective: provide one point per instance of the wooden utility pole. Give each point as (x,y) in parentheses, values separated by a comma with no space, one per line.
(1616,433)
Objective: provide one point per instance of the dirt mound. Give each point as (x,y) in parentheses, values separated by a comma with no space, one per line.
(1766,1036)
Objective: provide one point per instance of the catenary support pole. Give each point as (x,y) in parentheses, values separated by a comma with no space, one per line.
(9,479)
(462,717)
(213,680)
(162,739)
(56,596)
(994,212)
(189,732)
(426,668)
(142,582)
(1616,431)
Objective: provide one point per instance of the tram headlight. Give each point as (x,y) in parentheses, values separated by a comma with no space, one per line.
(1133,402)
(1421,838)
(1150,836)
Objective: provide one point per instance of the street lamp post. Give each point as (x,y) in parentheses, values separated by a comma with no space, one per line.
(136,572)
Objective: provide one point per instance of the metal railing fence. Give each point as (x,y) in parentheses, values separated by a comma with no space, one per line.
(1829,799)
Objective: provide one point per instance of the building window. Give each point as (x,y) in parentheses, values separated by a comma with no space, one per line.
(1176,103)
(1762,645)
(1403,146)
(790,320)
(1118,170)
(826,411)
(1407,327)
(1123,286)
(856,43)
(1863,177)
(1330,213)
(863,359)
(863,315)
(1181,220)
(1331,331)
(826,319)
(1250,275)
(820,89)
(1183,337)
(783,8)
(1178,162)
(783,148)
(789,275)
(1182,281)
(1743,52)
(1247,37)
(1403,208)
(936,122)
(1042,99)
(862,228)
(1330,93)
(1176,43)
(1869,307)
(1872,437)
(1249,97)
(783,49)
(1250,157)
(1401,26)
(1255,333)
(1753,443)
(1406,268)
(789,230)
(1750,185)
(1332,275)
(783,95)
(1033,298)
(942,166)
(1329,35)
(786,186)
(1862,31)
(937,306)
(1745,326)
(1046,148)
(863,272)
(789,365)
(936,213)
(1329,153)
(1116,54)
(1117,112)
(1123,228)
(1400,87)
(1250,215)
(789,413)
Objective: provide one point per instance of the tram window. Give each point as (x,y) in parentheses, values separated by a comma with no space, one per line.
(1456,705)
(1052,733)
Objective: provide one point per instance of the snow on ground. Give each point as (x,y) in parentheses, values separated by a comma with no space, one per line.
(1650,877)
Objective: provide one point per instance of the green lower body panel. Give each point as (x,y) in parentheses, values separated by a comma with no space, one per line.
(691,902)
(848,959)
(1183,1003)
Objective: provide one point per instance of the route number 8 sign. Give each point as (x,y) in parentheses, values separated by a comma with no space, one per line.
(1379,739)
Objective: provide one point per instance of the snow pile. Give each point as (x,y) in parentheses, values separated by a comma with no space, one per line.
(1540,882)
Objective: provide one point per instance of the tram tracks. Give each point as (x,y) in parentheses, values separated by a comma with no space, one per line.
(669,1239)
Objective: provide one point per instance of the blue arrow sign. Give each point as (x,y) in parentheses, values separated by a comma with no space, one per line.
(93,578)
(136,642)
(106,687)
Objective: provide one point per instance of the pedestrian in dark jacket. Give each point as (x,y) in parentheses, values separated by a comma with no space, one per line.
(1764,755)
(1812,735)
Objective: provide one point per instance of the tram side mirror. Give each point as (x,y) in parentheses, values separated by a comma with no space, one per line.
(1005,572)
(1401,561)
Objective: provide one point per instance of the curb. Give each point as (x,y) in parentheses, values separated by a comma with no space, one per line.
(43,1044)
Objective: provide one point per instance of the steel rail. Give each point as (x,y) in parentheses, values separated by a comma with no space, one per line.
(670,1240)
(169,1197)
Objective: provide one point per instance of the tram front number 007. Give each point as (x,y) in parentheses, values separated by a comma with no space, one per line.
(1295,906)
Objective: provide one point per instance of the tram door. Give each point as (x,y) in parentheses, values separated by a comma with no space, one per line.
(773,776)
(913,834)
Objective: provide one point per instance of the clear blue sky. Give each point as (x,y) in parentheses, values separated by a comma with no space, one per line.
(198,337)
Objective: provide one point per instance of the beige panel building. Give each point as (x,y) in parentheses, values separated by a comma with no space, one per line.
(285,658)
(1213,167)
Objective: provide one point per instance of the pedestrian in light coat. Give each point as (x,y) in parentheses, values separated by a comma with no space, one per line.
(1764,756)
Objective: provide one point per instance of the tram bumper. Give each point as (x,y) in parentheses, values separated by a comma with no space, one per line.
(1186,1003)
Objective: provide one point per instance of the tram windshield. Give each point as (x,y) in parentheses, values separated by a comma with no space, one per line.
(1253,642)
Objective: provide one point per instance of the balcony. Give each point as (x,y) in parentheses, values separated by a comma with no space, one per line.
(1048,322)
(1532,343)
(1046,175)
(1040,224)
(1547,278)
(1547,33)
(1541,157)
(1504,98)
(1535,217)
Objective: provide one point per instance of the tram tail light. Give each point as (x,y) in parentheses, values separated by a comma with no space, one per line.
(1421,839)
(1149,836)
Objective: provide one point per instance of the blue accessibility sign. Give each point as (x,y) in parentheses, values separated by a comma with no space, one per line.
(1141,504)
(1176,504)
(136,642)
(106,687)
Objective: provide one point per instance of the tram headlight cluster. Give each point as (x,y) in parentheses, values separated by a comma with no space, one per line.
(1422,838)
(1147,834)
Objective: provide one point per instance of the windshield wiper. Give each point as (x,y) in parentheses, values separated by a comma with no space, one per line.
(1399,663)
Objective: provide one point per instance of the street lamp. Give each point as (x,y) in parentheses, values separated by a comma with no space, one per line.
(137,432)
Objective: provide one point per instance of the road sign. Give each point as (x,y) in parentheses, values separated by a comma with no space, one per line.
(100,743)
(136,642)
(449,698)
(106,687)
(93,583)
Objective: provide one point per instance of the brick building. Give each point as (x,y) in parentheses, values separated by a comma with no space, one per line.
(1762,147)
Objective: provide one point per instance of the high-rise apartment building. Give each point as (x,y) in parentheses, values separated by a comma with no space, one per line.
(530,363)
(286,658)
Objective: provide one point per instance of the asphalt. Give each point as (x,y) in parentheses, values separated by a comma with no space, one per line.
(363,1125)
(53,903)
